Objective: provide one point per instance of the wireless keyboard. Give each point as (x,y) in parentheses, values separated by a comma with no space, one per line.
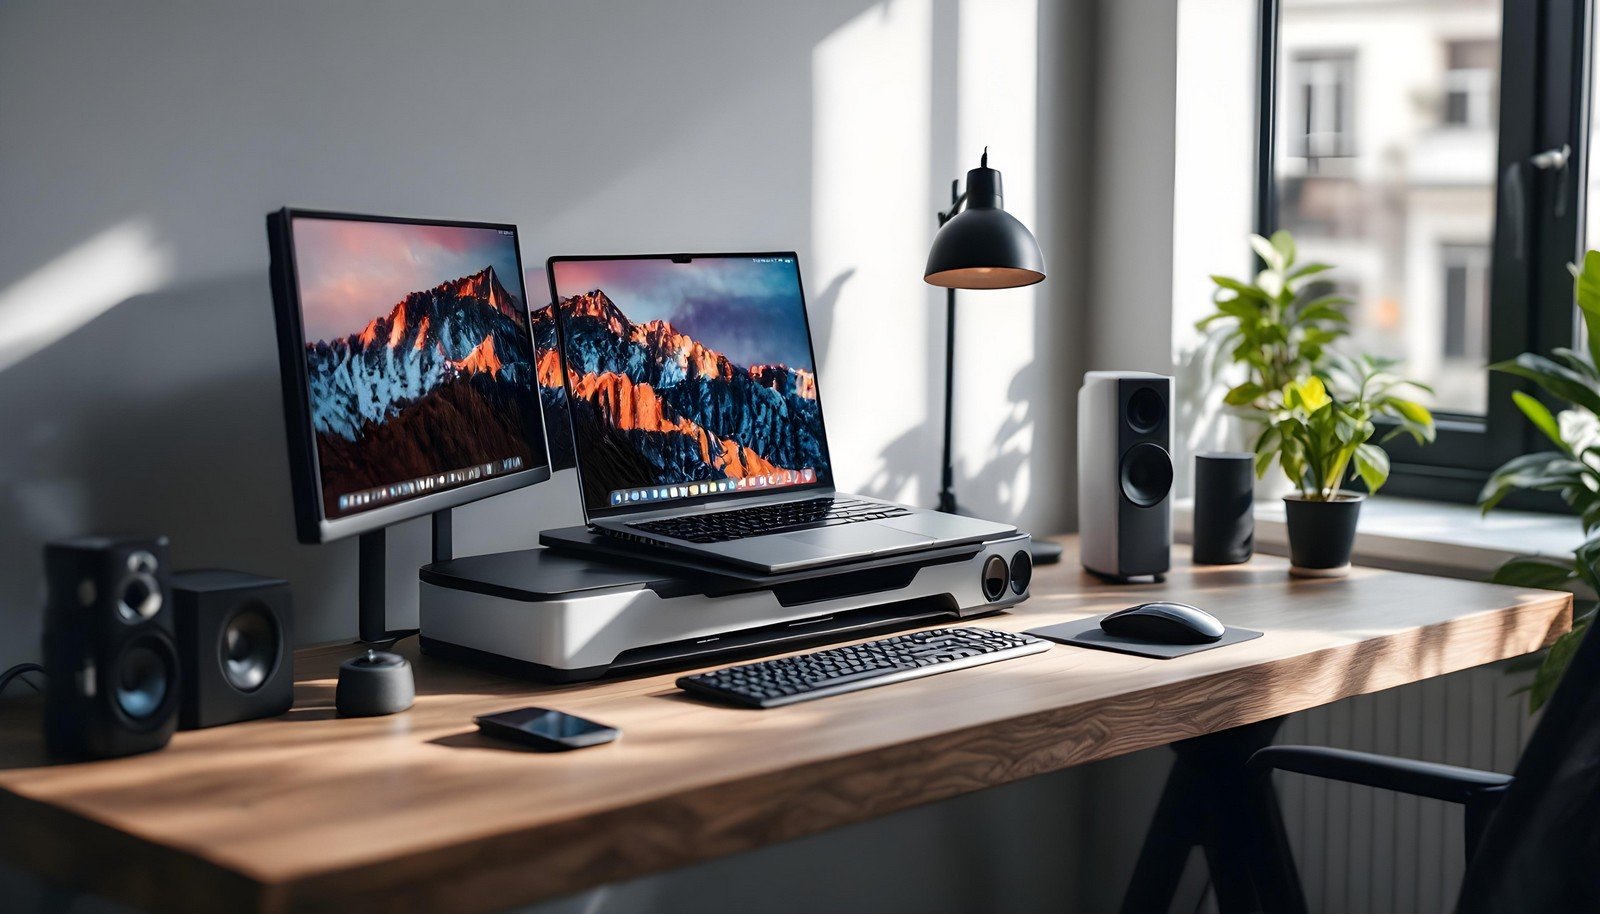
(787,680)
(761,520)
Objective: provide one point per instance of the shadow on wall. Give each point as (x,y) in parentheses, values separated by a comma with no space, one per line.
(906,460)
(105,433)
(1202,418)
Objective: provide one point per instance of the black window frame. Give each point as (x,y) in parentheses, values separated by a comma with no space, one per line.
(1544,68)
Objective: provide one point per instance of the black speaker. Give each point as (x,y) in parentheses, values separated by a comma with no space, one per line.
(114,677)
(1125,474)
(235,644)
(1224,497)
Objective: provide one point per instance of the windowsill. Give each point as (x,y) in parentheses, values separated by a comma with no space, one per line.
(1429,537)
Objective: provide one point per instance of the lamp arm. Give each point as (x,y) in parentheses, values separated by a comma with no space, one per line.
(957,197)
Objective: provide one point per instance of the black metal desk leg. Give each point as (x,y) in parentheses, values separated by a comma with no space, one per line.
(1201,805)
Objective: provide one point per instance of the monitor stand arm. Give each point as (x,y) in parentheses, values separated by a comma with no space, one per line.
(372,570)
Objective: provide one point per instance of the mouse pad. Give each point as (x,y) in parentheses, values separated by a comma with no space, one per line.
(1087,633)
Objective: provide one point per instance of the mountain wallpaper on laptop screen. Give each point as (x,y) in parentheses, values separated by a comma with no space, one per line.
(440,380)
(652,404)
(557,427)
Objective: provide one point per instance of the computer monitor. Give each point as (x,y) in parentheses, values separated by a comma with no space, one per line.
(690,378)
(408,365)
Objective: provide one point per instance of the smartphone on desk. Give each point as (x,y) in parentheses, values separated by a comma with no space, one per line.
(545,729)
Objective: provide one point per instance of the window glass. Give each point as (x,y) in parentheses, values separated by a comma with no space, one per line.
(1387,120)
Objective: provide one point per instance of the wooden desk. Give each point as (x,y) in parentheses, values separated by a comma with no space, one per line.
(316,813)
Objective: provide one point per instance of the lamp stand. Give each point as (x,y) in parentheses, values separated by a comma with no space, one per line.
(947,495)
(1043,552)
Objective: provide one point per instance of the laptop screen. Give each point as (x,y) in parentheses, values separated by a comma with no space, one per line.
(690,378)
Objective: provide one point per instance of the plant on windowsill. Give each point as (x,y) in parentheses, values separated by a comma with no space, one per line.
(1322,431)
(1279,324)
(1270,330)
(1568,378)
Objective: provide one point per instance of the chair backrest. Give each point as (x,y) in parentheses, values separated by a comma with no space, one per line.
(1541,848)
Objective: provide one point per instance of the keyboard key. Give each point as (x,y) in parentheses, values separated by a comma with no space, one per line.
(764,520)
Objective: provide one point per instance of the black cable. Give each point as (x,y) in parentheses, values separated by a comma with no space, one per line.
(17,671)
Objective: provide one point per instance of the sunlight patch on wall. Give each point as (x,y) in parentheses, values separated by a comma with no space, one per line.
(871,225)
(997,386)
(79,286)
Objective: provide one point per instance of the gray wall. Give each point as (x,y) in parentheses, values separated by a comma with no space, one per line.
(142,144)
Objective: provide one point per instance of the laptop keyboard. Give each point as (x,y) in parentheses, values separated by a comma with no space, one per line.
(763,520)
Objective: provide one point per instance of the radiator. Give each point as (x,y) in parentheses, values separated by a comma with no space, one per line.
(1364,850)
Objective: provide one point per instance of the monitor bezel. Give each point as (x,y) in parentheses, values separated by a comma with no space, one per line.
(823,481)
(305,470)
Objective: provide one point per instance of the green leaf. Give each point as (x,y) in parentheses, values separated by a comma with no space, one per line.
(1269,254)
(1238,307)
(1562,383)
(1539,415)
(1535,571)
(1586,289)
(1372,465)
(1556,661)
(1546,471)
(1244,394)
(1283,243)
(1574,361)
(1310,269)
(1321,310)
(1270,281)
(1591,515)
(1239,288)
(1412,410)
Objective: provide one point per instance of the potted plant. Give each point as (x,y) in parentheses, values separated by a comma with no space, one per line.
(1275,327)
(1572,381)
(1319,436)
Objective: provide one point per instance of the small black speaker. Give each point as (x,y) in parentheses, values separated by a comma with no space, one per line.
(114,677)
(235,644)
(1224,498)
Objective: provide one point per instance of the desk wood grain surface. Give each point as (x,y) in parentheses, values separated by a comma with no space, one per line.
(416,812)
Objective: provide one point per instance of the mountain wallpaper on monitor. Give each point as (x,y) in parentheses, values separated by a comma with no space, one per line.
(438,381)
(654,404)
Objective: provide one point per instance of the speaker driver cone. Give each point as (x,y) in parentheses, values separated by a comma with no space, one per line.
(1146,410)
(143,679)
(1021,571)
(249,648)
(1146,474)
(995,577)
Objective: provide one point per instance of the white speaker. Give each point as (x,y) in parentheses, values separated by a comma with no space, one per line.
(1125,474)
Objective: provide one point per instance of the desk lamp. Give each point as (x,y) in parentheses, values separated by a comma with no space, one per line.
(980,246)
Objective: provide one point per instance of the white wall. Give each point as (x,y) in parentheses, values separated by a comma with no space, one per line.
(142,145)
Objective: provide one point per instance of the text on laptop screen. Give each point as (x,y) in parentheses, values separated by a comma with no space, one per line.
(419,360)
(688,379)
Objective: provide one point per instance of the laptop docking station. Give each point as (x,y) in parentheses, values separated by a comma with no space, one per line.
(567,615)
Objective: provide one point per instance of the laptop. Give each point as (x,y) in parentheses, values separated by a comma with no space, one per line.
(697,417)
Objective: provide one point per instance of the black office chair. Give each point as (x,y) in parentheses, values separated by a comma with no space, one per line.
(1533,838)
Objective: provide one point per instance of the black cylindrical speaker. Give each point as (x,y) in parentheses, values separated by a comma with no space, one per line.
(1224,496)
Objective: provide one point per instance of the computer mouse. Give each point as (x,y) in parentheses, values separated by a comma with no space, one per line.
(1164,622)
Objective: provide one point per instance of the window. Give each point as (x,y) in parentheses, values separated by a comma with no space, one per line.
(1324,83)
(1398,143)
(1466,307)
(1469,83)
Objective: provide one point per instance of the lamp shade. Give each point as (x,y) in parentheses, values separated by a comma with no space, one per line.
(983,246)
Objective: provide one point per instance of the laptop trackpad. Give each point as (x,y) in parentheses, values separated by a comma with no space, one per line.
(859,538)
